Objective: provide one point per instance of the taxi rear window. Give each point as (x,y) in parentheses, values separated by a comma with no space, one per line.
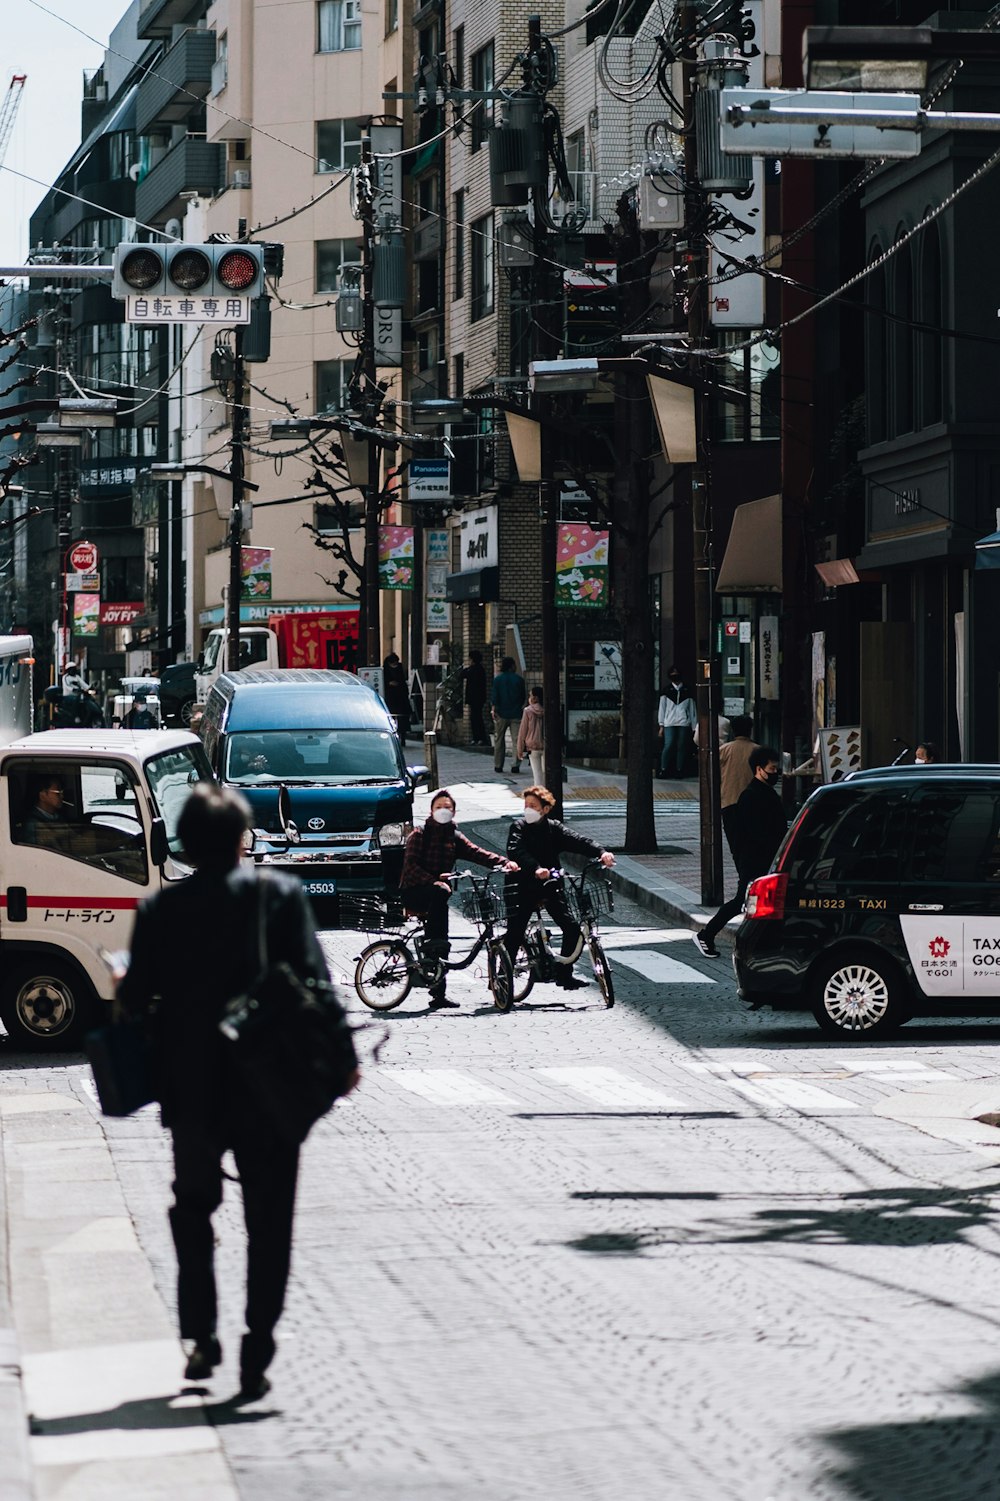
(849,838)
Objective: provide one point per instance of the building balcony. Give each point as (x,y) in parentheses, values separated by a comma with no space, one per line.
(193,165)
(180,83)
(157,18)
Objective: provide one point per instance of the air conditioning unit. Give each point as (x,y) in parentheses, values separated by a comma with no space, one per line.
(239,177)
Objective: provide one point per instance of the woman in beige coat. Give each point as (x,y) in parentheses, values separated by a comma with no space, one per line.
(531,735)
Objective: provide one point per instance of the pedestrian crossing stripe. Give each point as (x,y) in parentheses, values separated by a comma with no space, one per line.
(661,968)
(606,1086)
(611,1088)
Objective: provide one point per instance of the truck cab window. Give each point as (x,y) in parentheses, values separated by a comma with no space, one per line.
(83,812)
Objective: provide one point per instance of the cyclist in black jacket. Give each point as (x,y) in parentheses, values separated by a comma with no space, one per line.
(536,842)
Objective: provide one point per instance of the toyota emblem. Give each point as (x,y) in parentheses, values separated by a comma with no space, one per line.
(316,823)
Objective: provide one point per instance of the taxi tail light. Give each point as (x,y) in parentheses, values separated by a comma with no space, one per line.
(766,896)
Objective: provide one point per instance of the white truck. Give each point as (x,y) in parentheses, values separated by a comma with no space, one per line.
(69,885)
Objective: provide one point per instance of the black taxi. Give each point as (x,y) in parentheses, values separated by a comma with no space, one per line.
(883,903)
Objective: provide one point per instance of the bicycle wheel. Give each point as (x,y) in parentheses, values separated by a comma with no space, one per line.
(602,969)
(523,974)
(383,974)
(500,975)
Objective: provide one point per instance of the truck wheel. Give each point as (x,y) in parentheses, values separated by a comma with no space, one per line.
(186,710)
(46,1004)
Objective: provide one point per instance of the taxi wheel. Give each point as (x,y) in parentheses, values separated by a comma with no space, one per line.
(856,997)
(46,1005)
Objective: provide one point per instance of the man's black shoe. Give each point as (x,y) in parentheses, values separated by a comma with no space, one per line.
(203,1356)
(441,1003)
(253,1386)
(570,982)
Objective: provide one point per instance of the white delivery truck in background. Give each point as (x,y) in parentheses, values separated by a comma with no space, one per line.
(69,888)
(17,699)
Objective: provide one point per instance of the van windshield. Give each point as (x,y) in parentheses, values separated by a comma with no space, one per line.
(171,777)
(337,756)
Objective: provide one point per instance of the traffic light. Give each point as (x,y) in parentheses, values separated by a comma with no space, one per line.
(188,271)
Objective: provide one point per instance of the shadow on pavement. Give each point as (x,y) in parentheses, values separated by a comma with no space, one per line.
(152,1413)
(952,1458)
(892,1217)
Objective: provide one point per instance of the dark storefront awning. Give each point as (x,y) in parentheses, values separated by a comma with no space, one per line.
(480,584)
(752,563)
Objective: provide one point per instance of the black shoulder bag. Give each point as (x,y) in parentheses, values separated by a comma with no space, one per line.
(291,1043)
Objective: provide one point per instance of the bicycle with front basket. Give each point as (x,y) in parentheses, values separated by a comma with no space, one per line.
(387,970)
(589,896)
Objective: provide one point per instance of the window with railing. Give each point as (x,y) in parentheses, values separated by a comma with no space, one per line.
(332,383)
(338,145)
(338,25)
(481,257)
(220,68)
(483,77)
(338,264)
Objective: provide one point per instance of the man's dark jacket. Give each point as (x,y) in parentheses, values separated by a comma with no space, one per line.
(537,846)
(195,946)
(757,828)
(508,695)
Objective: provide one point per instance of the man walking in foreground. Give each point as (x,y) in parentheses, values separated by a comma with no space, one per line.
(755,833)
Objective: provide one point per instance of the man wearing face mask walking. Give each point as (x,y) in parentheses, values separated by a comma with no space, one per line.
(755,832)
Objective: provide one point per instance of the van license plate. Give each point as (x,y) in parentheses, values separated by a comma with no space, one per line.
(320,888)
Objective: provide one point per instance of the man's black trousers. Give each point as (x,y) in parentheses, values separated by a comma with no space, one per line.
(432,904)
(520,907)
(267,1170)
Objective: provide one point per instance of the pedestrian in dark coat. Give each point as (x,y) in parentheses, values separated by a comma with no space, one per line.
(396,694)
(755,833)
(535,842)
(203,1101)
(475,697)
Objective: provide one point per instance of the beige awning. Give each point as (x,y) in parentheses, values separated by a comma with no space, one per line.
(673,405)
(752,564)
(526,441)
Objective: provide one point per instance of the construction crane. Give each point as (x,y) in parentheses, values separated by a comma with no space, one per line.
(8,110)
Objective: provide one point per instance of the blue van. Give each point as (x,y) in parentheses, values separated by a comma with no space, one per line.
(317,756)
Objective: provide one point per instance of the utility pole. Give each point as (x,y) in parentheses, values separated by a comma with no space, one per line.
(706,687)
(236,516)
(370,632)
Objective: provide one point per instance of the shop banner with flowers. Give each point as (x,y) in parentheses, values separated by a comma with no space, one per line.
(86,614)
(581,568)
(255,573)
(395,557)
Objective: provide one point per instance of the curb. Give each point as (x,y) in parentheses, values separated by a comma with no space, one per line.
(630,879)
(16,1474)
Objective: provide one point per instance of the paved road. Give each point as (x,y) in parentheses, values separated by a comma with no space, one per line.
(669,1250)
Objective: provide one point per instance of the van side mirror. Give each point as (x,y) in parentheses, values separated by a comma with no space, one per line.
(159,849)
(418,775)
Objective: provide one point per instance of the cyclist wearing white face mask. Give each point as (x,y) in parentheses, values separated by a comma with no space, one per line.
(431,854)
(536,841)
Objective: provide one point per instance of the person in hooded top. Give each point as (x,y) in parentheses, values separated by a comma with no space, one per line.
(536,841)
(431,855)
(531,735)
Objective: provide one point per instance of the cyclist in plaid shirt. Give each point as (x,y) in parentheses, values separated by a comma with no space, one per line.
(431,855)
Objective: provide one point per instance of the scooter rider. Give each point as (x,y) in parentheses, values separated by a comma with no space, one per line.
(535,841)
